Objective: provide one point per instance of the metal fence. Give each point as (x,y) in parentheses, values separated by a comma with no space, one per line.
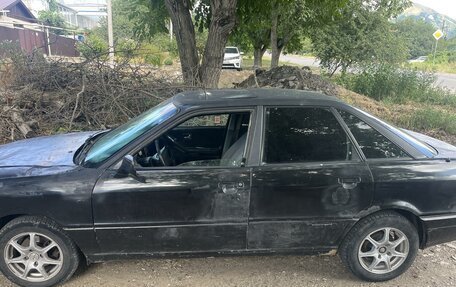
(30,40)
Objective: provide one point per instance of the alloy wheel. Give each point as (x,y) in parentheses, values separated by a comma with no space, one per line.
(383,250)
(33,257)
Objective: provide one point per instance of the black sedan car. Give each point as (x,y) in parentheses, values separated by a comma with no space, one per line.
(227,172)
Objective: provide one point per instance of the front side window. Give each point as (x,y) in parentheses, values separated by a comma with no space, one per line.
(304,135)
(201,141)
(373,144)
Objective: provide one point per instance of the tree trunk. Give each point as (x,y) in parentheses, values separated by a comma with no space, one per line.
(274,37)
(258,57)
(179,11)
(222,23)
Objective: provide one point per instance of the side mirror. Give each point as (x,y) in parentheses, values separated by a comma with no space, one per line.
(127,169)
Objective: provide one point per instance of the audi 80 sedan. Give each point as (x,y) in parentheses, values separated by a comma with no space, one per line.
(227,172)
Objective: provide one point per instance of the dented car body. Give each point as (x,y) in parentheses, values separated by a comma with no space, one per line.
(272,201)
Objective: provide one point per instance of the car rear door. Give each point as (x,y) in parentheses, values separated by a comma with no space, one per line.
(311,184)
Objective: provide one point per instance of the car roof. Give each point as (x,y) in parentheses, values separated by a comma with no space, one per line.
(252,97)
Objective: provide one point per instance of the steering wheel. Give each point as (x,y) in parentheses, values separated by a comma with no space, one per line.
(174,144)
(159,152)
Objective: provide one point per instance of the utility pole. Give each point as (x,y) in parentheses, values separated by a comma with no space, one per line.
(110,33)
(170,30)
(437,39)
(48,41)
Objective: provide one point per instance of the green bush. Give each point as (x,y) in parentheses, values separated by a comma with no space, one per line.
(430,119)
(93,47)
(168,62)
(397,85)
(164,44)
(153,59)
(126,48)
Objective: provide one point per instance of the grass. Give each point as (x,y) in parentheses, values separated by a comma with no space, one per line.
(431,118)
(398,85)
(430,112)
(435,120)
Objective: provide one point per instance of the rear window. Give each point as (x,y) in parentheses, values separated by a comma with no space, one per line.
(419,145)
(373,144)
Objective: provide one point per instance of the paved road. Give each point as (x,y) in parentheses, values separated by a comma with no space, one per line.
(446,80)
(443,79)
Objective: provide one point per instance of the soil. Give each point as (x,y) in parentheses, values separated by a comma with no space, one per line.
(435,266)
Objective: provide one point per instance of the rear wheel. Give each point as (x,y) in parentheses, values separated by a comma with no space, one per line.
(36,253)
(380,247)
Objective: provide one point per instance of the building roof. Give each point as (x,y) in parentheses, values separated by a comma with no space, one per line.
(17,10)
(6,3)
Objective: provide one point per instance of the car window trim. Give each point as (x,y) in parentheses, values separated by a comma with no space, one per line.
(263,135)
(349,134)
(182,118)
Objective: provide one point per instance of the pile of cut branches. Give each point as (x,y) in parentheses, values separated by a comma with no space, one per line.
(41,96)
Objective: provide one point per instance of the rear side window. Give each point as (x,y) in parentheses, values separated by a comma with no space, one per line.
(373,144)
(304,135)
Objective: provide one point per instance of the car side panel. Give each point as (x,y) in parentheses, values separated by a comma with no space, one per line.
(63,197)
(426,188)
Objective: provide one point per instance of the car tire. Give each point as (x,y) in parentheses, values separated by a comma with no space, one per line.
(51,260)
(373,256)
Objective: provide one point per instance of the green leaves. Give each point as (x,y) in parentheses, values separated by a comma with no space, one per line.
(362,33)
(149,17)
(418,35)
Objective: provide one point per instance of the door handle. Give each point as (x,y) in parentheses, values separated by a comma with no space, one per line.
(230,187)
(349,183)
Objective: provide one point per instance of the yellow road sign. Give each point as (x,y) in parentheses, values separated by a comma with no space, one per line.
(438,34)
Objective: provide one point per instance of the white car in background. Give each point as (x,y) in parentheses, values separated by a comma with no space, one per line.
(232,58)
(420,59)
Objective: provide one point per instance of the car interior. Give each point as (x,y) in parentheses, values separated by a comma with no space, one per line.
(208,140)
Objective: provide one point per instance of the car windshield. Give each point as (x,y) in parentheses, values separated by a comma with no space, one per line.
(231,50)
(126,133)
(422,147)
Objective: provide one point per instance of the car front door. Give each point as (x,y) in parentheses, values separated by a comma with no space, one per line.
(188,208)
(311,183)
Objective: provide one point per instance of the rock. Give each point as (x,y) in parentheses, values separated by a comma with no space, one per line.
(450,245)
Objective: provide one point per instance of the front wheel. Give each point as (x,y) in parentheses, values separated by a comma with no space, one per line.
(36,253)
(380,247)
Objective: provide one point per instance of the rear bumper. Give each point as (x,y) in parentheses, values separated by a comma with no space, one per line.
(439,229)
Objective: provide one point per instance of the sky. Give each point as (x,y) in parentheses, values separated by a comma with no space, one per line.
(446,7)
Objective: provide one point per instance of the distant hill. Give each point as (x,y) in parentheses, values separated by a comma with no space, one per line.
(431,16)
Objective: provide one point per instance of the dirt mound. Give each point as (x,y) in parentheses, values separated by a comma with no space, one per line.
(288,77)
